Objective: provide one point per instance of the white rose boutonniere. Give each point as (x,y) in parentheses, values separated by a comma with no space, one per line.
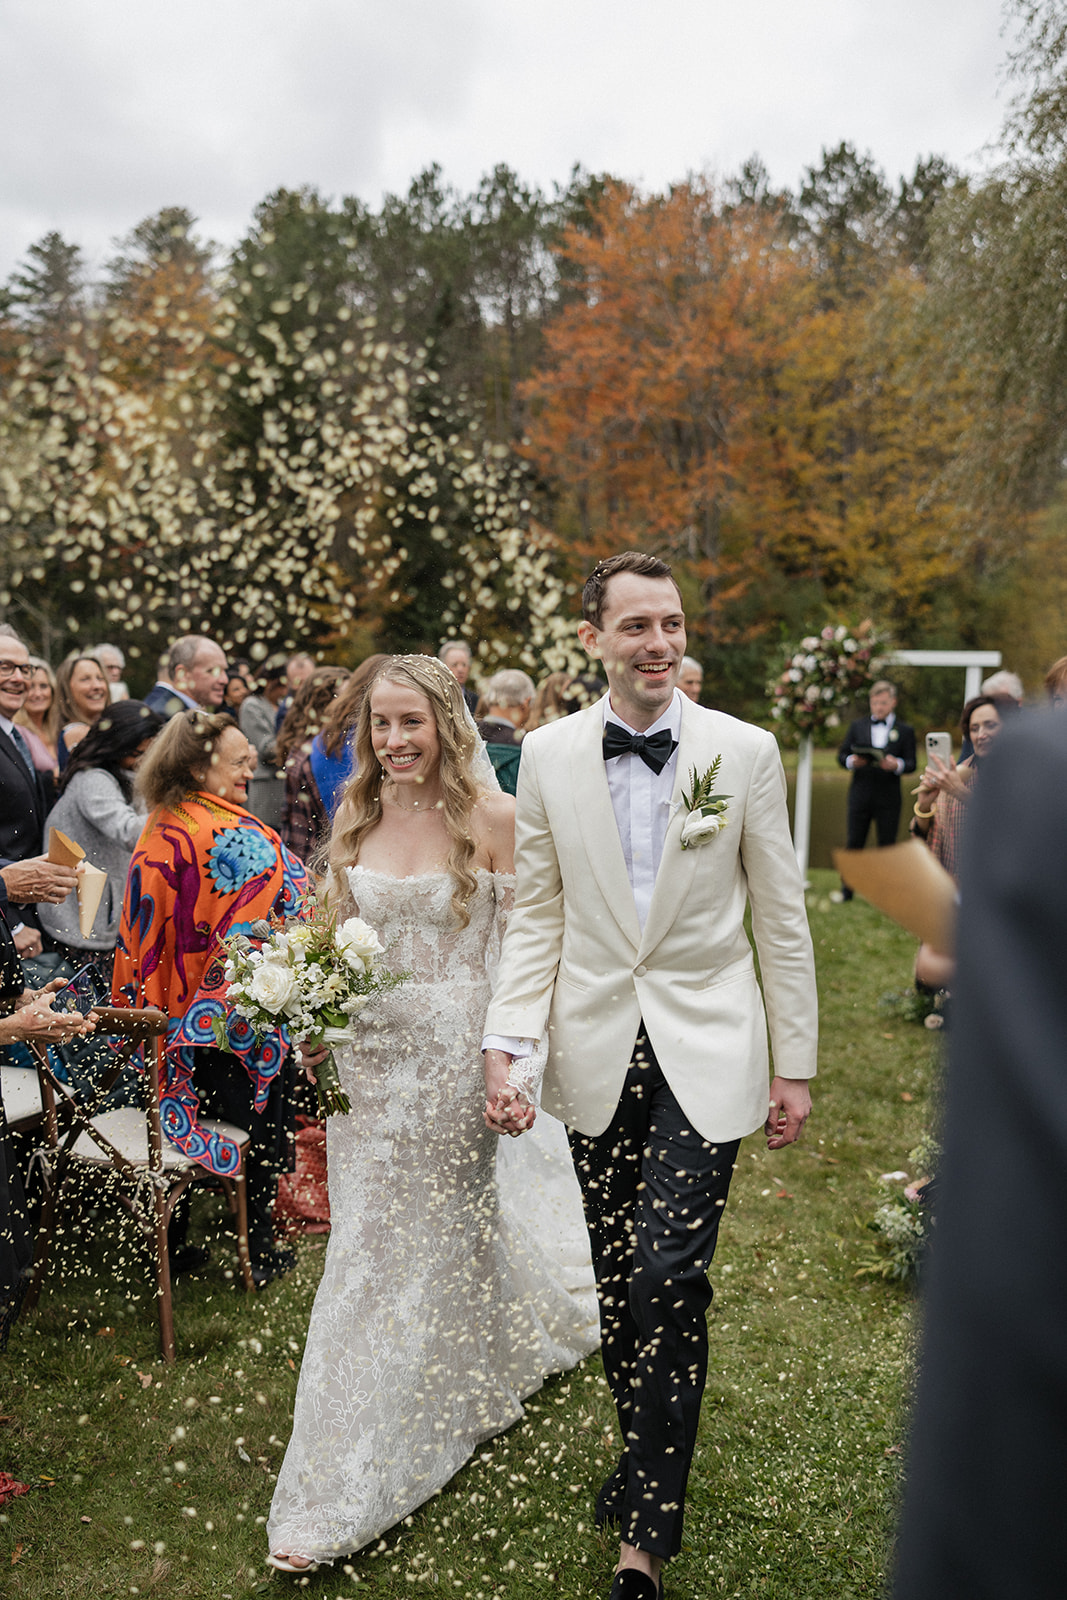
(707,811)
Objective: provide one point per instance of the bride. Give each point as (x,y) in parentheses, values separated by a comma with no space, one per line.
(439,1310)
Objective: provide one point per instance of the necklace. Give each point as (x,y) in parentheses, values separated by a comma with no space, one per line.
(414,809)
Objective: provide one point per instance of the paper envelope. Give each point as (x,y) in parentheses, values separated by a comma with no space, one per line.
(909,885)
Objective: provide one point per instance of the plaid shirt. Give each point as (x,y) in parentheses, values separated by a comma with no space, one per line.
(946,829)
(304,821)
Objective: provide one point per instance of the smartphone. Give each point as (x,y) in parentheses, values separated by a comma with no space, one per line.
(939,745)
(80,994)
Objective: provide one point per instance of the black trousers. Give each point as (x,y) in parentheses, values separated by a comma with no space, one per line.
(654,1191)
(873,797)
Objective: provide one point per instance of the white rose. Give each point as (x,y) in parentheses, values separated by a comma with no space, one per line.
(358,943)
(698,827)
(272,986)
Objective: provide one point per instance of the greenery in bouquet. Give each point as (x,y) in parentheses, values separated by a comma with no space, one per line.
(822,676)
(312,976)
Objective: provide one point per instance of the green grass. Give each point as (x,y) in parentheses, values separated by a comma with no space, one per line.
(155,1481)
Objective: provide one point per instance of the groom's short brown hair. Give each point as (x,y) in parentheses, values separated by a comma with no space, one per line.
(645,566)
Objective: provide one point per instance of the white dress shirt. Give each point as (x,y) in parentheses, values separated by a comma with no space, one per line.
(880,732)
(641,801)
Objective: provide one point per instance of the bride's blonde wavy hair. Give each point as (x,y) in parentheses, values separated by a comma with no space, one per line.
(361,805)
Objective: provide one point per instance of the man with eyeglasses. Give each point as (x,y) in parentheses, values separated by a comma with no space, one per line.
(197,673)
(26,876)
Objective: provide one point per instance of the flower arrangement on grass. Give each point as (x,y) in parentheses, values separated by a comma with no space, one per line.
(822,676)
(311,977)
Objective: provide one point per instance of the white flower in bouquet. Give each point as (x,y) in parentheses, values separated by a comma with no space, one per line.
(272,985)
(358,944)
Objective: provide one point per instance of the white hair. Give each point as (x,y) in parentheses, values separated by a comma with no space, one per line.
(509,687)
(101,650)
(1008,683)
(689,664)
(455,644)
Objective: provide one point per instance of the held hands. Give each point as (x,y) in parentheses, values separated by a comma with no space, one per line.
(507,1110)
(790,1107)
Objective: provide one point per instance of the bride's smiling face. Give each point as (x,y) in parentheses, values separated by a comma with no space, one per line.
(403,732)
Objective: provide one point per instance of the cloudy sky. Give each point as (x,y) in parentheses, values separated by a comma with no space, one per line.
(112,109)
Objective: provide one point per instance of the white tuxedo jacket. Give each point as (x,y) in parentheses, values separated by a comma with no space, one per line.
(575,958)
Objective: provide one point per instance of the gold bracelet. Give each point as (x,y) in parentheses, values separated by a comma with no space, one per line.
(924,814)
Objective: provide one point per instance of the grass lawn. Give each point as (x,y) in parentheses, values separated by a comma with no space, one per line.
(156,1481)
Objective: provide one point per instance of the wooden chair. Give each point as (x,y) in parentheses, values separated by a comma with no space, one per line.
(129,1141)
(20,1091)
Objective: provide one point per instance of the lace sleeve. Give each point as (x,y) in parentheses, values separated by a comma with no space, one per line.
(526,1072)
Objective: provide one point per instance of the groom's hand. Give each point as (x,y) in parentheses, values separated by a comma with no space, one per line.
(790,1108)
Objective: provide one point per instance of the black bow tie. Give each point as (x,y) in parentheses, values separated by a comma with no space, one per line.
(655,749)
(878,722)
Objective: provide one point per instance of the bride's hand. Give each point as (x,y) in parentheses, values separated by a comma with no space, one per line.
(310,1057)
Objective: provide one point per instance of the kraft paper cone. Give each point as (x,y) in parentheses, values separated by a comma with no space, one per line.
(63,852)
(909,885)
(91,881)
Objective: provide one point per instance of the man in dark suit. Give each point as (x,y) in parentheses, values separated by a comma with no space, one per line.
(874,793)
(25,876)
(984,1495)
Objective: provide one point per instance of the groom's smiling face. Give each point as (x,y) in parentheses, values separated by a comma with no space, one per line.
(641,641)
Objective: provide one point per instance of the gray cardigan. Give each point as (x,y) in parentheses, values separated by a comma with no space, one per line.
(93,812)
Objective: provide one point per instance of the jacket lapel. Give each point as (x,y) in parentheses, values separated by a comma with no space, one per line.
(596,820)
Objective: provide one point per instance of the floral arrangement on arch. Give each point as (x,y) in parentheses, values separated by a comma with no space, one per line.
(822,676)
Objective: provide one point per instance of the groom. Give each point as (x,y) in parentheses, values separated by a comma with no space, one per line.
(633,951)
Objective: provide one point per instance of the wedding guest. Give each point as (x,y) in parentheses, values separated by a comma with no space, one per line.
(238,690)
(331,756)
(204,867)
(97,808)
(39,720)
(691,678)
(298,669)
(113,661)
(82,691)
(305,824)
(257,714)
(197,668)
(457,655)
(502,711)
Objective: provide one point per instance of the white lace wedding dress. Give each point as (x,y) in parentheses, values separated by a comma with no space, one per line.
(441,1305)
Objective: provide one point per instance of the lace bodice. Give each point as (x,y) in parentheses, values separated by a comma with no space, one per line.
(428,944)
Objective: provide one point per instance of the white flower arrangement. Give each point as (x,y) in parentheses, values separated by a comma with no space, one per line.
(312,977)
(822,676)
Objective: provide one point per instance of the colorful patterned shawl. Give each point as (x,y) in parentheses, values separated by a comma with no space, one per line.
(199,873)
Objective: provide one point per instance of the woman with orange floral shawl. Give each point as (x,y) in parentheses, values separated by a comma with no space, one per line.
(204,868)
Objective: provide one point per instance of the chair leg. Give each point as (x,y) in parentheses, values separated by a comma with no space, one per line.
(163,1287)
(243,1254)
(42,1249)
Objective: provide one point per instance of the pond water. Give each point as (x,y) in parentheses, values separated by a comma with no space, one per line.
(829,804)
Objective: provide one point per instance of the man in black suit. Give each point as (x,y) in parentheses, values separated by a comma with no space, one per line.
(25,875)
(984,1495)
(874,793)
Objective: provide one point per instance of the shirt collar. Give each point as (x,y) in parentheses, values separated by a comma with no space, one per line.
(671,718)
(6,725)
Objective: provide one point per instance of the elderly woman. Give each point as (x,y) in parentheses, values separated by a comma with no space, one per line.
(97,809)
(205,868)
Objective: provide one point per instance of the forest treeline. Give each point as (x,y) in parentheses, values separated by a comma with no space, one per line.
(372,427)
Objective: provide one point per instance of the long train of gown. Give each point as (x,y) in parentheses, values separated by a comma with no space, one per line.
(439,1308)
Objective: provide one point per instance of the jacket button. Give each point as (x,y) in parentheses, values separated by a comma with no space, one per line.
(640,971)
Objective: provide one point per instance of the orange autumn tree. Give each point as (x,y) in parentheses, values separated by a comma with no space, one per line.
(665,413)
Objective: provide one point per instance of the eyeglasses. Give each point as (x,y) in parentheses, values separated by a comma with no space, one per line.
(8,669)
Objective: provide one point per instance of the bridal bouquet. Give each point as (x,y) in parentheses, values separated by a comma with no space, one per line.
(311,977)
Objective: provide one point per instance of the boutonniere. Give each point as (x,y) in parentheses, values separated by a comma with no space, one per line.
(707,811)
(893,736)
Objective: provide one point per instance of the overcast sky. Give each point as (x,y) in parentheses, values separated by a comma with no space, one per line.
(112,109)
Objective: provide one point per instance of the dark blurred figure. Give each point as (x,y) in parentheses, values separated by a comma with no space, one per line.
(985,1485)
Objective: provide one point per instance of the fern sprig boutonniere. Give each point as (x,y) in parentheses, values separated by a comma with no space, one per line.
(707,810)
